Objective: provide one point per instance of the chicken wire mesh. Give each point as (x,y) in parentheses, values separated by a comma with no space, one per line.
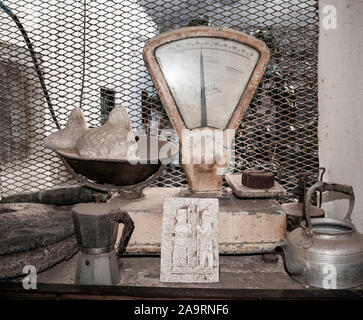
(90,54)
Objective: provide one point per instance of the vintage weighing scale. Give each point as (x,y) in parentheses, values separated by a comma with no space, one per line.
(206,78)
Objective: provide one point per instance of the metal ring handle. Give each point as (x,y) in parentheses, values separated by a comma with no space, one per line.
(123,217)
(323,187)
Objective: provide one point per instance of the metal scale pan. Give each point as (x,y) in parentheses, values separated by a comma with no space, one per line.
(119,175)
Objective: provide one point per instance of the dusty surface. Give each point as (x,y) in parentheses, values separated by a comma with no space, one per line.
(236,272)
(28,226)
(11,265)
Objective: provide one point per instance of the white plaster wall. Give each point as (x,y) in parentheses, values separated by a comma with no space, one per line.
(341,103)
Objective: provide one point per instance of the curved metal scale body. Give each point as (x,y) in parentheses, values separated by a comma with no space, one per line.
(205,78)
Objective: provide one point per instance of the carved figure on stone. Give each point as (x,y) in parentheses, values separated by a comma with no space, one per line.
(189,249)
(205,249)
(181,236)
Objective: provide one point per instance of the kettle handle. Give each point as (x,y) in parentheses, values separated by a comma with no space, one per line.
(326,186)
(123,217)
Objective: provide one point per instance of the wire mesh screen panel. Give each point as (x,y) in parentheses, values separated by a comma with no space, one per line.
(90,54)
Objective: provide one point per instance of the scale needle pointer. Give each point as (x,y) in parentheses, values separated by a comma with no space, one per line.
(202,92)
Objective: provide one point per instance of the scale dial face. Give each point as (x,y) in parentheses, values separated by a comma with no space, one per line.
(206,77)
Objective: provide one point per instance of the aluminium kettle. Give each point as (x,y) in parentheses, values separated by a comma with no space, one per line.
(325,252)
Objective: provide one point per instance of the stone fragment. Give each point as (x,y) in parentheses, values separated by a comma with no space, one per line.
(189,244)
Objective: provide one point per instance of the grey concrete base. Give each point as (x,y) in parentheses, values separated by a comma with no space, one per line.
(245,225)
(102,269)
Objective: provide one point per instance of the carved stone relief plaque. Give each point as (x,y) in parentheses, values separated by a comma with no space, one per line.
(189,244)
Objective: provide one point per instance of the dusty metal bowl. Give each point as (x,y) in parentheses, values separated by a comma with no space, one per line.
(120,172)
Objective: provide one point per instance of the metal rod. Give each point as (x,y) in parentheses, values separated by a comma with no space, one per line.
(84,52)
